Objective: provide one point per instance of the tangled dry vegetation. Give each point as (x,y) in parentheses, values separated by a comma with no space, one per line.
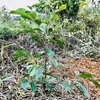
(12,72)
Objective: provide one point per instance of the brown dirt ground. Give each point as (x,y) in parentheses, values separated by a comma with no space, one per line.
(83,65)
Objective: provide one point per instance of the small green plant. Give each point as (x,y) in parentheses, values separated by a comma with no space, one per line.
(40,72)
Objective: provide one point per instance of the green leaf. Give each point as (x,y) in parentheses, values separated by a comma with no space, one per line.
(53,60)
(29,66)
(30,30)
(57,42)
(62,7)
(50,30)
(95,83)
(43,80)
(38,41)
(24,84)
(69,3)
(51,79)
(20,53)
(23,13)
(30,7)
(82,3)
(86,76)
(50,53)
(38,73)
(54,16)
(37,29)
(38,21)
(18,11)
(33,15)
(82,89)
(32,71)
(49,87)
(54,63)
(37,38)
(33,37)
(33,86)
(21,61)
(26,76)
(25,31)
(66,85)
(38,55)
